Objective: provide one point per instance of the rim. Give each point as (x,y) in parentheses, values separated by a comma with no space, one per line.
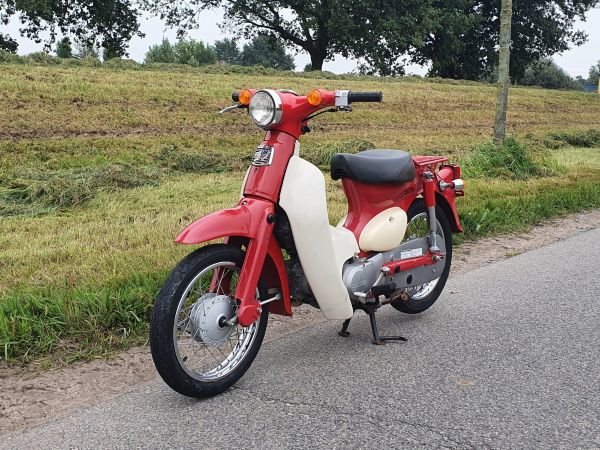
(418,227)
(206,348)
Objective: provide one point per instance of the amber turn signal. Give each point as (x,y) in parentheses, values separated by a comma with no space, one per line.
(314,98)
(245,97)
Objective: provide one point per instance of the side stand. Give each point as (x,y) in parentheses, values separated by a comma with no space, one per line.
(370,311)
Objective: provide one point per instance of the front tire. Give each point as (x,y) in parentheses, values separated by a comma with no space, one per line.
(193,348)
(418,226)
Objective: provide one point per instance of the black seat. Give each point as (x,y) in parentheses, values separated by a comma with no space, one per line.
(374,166)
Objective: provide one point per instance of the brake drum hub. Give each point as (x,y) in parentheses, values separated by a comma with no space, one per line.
(208,316)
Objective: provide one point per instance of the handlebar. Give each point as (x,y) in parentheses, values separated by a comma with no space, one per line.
(375,97)
(353,97)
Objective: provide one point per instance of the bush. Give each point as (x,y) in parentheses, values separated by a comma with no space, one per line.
(10,58)
(511,160)
(42,58)
(545,73)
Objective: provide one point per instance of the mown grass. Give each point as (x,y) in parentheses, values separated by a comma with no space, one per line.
(513,159)
(101,167)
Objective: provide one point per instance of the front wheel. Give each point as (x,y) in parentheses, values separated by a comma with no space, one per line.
(196,352)
(424,296)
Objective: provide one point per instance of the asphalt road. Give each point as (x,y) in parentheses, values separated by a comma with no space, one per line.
(509,357)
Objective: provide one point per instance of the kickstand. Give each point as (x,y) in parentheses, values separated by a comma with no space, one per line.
(344,332)
(380,340)
(377,340)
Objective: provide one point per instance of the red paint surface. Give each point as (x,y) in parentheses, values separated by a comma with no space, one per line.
(247,225)
(247,220)
(411,263)
(367,200)
(265,181)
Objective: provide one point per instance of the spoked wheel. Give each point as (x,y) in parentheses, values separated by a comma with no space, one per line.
(424,296)
(196,347)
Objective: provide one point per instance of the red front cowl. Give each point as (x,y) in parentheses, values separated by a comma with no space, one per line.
(265,181)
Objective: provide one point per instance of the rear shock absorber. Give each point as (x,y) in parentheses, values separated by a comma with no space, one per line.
(429,196)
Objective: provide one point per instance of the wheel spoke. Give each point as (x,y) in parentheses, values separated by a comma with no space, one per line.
(205,350)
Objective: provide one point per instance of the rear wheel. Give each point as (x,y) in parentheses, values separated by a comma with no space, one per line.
(195,350)
(424,296)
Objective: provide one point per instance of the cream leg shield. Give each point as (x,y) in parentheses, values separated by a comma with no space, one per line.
(321,248)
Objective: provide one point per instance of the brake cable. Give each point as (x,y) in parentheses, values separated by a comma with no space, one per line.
(306,119)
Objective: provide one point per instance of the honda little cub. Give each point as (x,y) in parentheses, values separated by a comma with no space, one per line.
(393,246)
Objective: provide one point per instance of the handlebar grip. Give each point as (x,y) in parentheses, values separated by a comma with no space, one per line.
(375,97)
(235,96)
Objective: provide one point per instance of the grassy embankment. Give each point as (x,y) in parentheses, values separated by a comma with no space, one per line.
(100,168)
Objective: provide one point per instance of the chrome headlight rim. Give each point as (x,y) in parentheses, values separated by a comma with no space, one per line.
(277,111)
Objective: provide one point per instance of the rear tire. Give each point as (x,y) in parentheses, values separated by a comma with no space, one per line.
(194,351)
(419,303)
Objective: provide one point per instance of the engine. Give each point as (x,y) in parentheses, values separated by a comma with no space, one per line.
(362,275)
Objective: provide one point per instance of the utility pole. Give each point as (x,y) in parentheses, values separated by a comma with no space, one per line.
(503,71)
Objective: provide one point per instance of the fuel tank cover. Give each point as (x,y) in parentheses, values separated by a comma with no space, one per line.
(384,231)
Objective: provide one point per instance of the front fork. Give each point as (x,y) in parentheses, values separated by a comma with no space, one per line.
(429,196)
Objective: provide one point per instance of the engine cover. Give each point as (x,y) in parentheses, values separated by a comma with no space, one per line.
(361,275)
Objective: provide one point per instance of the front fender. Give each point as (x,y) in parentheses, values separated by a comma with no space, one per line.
(242,221)
(246,221)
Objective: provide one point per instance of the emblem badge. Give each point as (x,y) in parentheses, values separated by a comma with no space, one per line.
(263,156)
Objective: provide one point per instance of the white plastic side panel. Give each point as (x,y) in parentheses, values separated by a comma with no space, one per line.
(304,201)
(344,245)
(384,231)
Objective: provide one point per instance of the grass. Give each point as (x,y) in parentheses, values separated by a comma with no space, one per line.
(100,167)
(513,159)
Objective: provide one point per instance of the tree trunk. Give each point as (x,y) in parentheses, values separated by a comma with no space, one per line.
(503,71)
(316,61)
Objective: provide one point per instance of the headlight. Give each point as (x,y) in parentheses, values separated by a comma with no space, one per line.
(265,108)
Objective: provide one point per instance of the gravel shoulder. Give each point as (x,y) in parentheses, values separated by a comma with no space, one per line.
(32,395)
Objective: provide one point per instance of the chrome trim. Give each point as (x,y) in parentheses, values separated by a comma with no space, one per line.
(277,114)
(269,300)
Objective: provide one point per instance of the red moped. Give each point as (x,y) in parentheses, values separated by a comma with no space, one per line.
(278,249)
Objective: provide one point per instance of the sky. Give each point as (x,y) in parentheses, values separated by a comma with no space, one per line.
(576,61)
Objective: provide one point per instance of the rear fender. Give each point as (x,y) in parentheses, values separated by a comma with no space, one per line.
(247,224)
(446,198)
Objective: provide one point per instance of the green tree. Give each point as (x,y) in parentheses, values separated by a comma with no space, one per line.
(594,74)
(463,41)
(193,53)
(378,31)
(63,48)
(266,51)
(546,73)
(227,51)
(8,44)
(161,53)
(110,23)
(190,52)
